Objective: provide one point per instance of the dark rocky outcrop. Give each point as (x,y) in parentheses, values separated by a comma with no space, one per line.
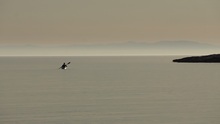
(214,58)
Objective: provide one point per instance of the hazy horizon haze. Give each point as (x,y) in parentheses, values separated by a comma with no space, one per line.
(67,22)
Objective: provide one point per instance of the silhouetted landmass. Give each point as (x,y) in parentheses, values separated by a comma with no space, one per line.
(113,49)
(214,58)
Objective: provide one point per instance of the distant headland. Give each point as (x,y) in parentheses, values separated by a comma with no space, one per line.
(213,58)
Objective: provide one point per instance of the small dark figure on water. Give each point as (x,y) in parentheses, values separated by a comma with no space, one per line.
(64,66)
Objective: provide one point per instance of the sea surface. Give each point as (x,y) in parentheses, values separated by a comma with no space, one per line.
(108,90)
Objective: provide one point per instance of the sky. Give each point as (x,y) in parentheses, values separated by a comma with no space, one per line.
(56,22)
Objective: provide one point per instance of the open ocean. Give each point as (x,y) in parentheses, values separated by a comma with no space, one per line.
(108,90)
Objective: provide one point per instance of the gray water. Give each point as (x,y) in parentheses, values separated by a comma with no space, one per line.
(108,90)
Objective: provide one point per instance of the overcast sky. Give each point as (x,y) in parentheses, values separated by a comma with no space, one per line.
(108,21)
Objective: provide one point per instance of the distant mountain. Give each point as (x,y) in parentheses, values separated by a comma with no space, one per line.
(182,44)
(129,44)
(156,48)
(124,48)
(160,44)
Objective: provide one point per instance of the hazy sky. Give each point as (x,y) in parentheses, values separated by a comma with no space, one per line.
(108,21)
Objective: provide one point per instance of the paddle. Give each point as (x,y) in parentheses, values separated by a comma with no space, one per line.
(68,63)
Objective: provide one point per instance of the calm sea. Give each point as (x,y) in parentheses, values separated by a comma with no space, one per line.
(108,90)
